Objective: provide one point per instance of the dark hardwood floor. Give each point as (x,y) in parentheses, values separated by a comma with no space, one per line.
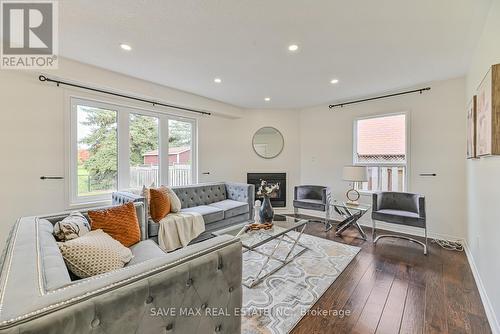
(394,288)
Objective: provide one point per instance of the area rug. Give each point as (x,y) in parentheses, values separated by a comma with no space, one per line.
(278,303)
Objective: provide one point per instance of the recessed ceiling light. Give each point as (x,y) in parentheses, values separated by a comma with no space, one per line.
(267,99)
(334,81)
(125,47)
(217,80)
(293,47)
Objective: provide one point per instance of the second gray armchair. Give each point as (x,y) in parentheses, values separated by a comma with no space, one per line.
(315,198)
(399,208)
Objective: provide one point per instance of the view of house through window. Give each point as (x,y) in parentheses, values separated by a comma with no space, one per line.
(380,144)
(144,139)
(180,160)
(104,158)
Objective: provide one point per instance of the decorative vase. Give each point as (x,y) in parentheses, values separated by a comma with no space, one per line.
(266,212)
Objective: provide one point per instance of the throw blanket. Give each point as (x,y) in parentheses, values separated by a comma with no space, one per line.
(178,229)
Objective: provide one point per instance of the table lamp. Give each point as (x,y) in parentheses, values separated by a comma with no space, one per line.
(354,174)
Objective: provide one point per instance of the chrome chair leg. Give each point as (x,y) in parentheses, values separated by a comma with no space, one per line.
(328,225)
(404,238)
(374,232)
(425,247)
(295,211)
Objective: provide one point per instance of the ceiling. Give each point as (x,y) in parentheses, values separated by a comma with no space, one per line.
(369,46)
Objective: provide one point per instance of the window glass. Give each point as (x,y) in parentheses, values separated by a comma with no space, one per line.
(144,150)
(97,151)
(180,152)
(380,144)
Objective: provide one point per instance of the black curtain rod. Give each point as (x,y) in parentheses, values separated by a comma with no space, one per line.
(421,90)
(154,103)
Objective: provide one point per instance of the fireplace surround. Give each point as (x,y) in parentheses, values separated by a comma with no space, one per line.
(279,201)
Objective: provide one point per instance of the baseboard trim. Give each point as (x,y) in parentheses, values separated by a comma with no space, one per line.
(414,231)
(488,307)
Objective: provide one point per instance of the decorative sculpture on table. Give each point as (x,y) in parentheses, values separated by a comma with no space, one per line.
(256,209)
(266,191)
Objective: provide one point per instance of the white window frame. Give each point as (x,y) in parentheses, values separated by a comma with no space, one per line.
(406,164)
(123,119)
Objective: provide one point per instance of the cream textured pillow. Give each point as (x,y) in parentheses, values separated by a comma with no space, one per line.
(175,202)
(94,253)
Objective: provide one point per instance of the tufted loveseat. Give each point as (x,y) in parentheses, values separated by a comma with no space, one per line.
(155,293)
(220,204)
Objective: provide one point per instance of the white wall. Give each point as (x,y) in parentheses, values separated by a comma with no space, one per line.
(437,144)
(483,181)
(226,148)
(33,139)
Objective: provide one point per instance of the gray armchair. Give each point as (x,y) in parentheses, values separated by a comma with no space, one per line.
(399,208)
(315,198)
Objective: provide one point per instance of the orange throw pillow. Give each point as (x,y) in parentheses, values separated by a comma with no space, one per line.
(119,222)
(160,203)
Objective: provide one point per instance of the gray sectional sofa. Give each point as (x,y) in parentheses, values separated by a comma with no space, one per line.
(221,204)
(38,295)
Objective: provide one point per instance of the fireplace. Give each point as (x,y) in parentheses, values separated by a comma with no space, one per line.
(279,201)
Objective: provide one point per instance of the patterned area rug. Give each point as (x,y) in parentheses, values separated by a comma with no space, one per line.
(278,303)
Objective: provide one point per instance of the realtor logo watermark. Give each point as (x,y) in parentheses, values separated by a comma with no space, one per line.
(29,34)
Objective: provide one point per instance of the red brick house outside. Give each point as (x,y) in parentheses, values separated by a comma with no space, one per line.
(176,156)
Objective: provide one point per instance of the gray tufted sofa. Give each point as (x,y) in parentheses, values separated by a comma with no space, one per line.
(220,204)
(154,293)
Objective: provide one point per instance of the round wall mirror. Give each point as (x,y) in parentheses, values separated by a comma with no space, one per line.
(268,142)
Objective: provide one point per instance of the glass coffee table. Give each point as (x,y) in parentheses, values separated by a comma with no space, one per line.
(251,240)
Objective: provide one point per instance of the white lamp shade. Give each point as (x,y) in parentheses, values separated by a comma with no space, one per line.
(355,174)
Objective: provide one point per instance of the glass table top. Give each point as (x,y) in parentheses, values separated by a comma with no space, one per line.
(253,239)
(346,205)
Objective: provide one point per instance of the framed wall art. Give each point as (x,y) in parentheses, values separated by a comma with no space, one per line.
(471,128)
(488,114)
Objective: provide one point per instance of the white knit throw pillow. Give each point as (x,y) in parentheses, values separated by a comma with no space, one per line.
(175,202)
(94,253)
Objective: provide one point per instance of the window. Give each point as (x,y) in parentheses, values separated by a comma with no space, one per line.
(380,143)
(97,159)
(144,150)
(116,147)
(180,151)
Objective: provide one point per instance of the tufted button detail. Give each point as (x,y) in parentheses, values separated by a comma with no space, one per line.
(95,323)
(204,306)
(149,300)
(218,328)
(219,267)
(231,289)
(169,327)
(189,282)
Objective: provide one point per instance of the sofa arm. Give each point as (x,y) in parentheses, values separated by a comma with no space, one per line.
(121,299)
(122,197)
(242,192)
